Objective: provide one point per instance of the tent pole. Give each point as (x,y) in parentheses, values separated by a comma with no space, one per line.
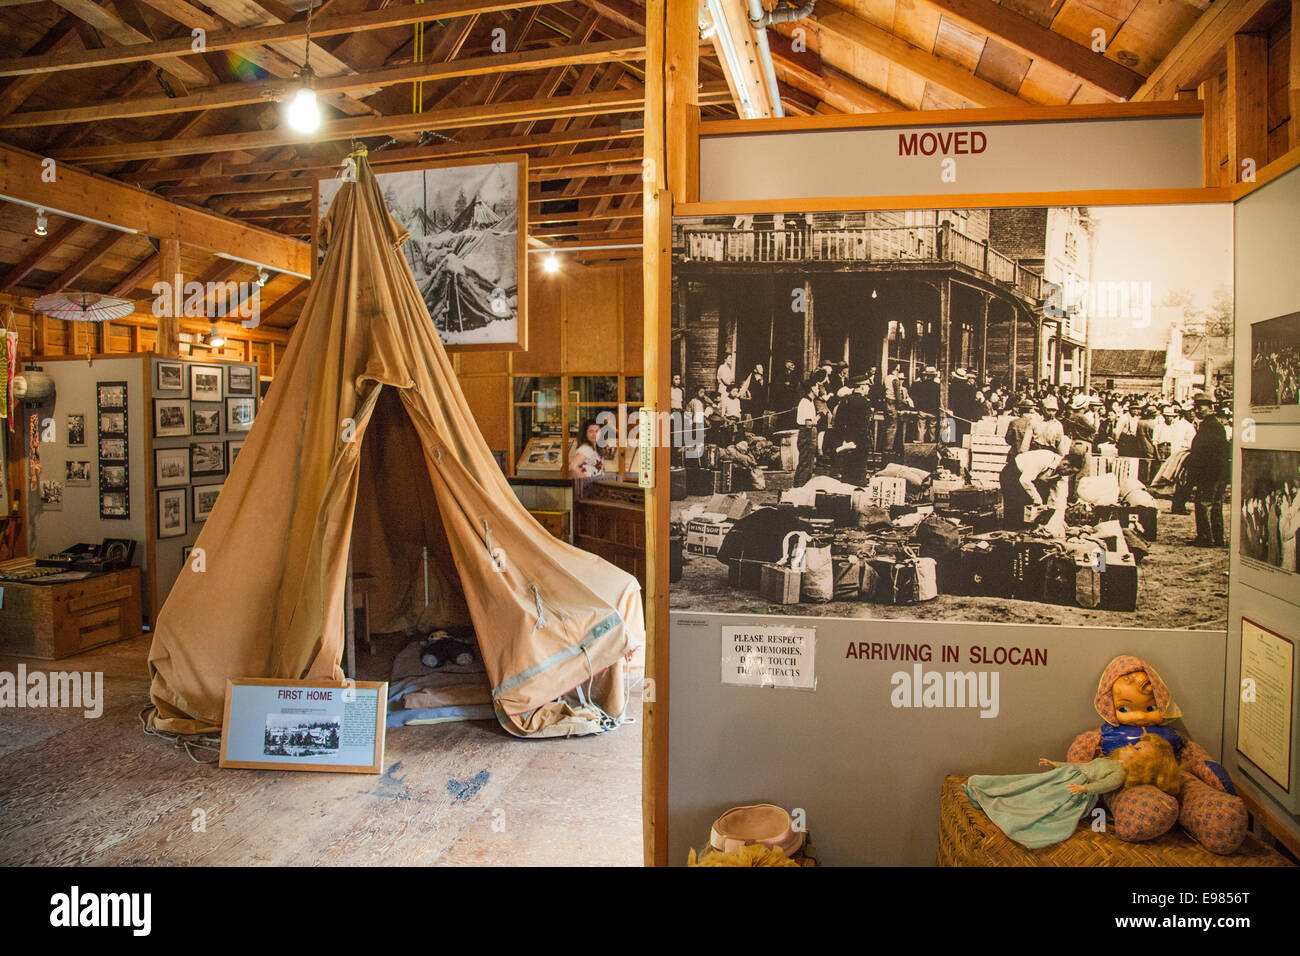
(350,622)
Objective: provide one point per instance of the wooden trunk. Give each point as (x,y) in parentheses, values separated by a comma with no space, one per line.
(50,621)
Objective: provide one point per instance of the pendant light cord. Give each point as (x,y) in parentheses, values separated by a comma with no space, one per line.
(311,6)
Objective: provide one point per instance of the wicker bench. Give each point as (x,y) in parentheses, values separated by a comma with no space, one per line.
(967,837)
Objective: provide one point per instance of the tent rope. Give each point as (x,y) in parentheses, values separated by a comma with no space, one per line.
(183,741)
(541,613)
(605,721)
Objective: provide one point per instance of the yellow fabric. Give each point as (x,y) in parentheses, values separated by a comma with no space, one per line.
(270,602)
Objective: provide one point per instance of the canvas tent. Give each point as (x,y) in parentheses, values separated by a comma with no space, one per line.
(365,442)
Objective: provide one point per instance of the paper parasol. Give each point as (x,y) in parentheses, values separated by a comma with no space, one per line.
(83,306)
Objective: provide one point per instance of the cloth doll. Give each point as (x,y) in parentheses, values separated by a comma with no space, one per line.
(1039,809)
(1132,699)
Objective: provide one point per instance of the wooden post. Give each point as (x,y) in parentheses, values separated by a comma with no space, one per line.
(168,344)
(1247,102)
(1210,128)
(1293,85)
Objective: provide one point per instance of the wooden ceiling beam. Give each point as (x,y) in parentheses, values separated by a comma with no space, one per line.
(499,114)
(62,36)
(831,85)
(537,196)
(42,251)
(1019,32)
(131,281)
(91,256)
(242,94)
(114,28)
(952,77)
(249,37)
(114,203)
(751,78)
(1200,50)
(280,304)
(219,172)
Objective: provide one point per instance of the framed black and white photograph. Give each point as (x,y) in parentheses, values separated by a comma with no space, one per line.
(114,505)
(51,494)
(1270,508)
(112,423)
(112,449)
(207,458)
(233,449)
(113,477)
(76,429)
(205,499)
(76,473)
(468,224)
(171,512)
(240,380)
(240,413)
(955,414)
(111,395)
(1275,368)
(171,466)
(171,377)
(171,417)
(205,383)
(206,421)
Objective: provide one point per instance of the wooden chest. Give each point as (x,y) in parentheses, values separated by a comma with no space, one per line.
(50,621)
(556,522)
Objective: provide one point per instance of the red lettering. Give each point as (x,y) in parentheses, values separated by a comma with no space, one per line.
(933,144)
(982,142)
(906,144)
(945,140)
(959,143)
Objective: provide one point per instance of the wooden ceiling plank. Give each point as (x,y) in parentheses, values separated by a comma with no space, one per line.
(91,256)
(113,27)
(1188,63)
(838,89)
(913,59)
(131,281)
(59,38)
(1023,34)
(42,251)
(115,203)
(242,94)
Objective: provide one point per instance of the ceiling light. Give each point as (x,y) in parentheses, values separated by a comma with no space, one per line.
(551,264)
(215,338)
(303,113)
(262,277)
(42,224)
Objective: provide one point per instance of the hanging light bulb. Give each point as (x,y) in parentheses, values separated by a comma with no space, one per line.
(304,112)
(215,338)
(42,224)
(551,264)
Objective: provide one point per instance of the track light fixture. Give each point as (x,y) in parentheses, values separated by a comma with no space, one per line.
(42,223)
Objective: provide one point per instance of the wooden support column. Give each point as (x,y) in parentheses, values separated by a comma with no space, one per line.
(1211,132)
(1247,102)
(168,344)
(1293,84)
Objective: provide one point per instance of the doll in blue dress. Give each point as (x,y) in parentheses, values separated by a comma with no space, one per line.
(1039,809)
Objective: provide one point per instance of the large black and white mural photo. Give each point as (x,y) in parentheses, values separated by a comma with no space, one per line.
(464,245)
(1017,415)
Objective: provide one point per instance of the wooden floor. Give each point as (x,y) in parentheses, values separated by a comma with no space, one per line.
(78,791)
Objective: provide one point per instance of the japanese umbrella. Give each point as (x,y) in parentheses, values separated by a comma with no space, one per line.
(83,306)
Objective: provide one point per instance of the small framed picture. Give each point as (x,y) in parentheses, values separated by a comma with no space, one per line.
(207,458)
(232,452)
(114,504)
(240,413)
(171,512)
(171,377)
(112,423)
(205,499)
(112,449)
(51,494)
(185,555)
(239,380)
(111,395)
(171,466)
(171,417)
(207,421)
(76,429)
(205,383)
(76,473)
(113,477)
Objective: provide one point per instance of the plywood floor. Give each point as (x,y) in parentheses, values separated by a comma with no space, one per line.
(75,791)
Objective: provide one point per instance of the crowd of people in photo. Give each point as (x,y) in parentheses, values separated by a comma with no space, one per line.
(1270,523)
(1275,373)
(850,425)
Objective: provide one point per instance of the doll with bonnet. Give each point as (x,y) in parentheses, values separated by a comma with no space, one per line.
(1131,700)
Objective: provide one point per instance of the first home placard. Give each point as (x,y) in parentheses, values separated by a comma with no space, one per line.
(273,724)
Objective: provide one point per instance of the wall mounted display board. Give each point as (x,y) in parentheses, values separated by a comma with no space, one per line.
(304,725)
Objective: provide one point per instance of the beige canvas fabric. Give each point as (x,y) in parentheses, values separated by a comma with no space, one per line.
(554,623)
